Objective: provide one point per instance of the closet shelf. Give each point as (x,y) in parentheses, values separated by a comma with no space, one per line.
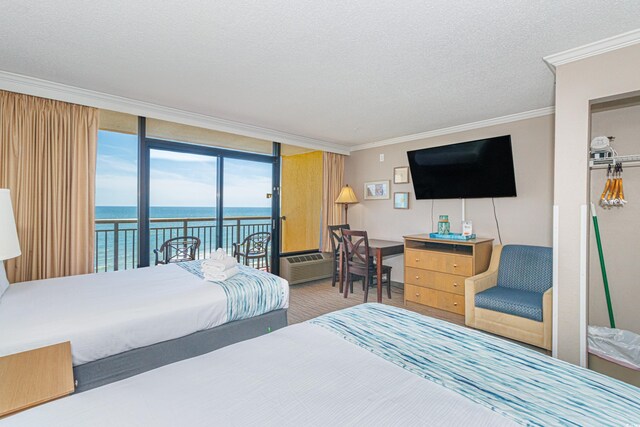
(629,160)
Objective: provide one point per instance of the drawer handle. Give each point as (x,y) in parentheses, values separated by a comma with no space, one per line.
(417,277)
(455,265)
(455,285)
(417,294)
(455,304)
(417,259)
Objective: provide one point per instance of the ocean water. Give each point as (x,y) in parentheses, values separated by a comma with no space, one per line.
(234,230)
(121,212)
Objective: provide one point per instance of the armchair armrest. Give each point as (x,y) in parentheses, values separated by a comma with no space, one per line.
(478,283)
(547,301)
(481,282)
(547,317)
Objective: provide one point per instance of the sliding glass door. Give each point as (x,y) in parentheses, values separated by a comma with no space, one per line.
(219,196)
(247,198)
(182,199)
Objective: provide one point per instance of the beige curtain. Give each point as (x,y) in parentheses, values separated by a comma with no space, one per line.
(48,161)
(332,181)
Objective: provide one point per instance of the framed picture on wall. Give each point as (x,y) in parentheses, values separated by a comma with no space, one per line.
(401,175)
(401,200)
(376,190)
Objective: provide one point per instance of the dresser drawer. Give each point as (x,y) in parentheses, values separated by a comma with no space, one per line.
(442,262)
(450,302)
(435,280)
(420,295)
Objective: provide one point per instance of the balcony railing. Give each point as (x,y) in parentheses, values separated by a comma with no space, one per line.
(117,239)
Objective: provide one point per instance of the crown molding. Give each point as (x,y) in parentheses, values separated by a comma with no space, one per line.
(48,89)
(592,49)
(459,128)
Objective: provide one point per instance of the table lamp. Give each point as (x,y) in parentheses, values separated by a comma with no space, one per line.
(346,198)
(9,244)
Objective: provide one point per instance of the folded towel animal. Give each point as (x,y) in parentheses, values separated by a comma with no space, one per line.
(216,266)
(220,276)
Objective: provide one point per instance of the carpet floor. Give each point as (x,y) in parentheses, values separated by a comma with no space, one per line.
(309,300)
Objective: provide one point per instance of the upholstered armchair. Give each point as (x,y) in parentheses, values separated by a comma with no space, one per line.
(513,297)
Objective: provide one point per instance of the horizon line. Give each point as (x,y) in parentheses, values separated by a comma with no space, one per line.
(213,207)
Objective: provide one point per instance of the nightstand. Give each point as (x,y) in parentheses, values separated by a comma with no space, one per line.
(36,376)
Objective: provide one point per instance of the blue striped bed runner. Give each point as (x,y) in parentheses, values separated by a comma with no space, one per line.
(521,384)
(249,293)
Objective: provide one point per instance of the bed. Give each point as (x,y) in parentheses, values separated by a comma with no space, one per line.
(367,365)
(127,322)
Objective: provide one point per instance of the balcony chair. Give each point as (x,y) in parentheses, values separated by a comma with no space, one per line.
(358,263)
(513,297)
(336,237)
(178,249)
(253,247)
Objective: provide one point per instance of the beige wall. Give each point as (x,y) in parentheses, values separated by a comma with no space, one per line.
(577,85)
(525,219)
(619,226)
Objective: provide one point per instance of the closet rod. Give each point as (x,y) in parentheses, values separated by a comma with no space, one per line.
(627,161)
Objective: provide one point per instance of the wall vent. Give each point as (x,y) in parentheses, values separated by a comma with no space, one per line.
(305,268)
(303,258)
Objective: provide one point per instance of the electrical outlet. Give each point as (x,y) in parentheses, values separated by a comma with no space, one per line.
(382,157)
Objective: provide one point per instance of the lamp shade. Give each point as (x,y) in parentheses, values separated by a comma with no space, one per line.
(9,245)
(347,196)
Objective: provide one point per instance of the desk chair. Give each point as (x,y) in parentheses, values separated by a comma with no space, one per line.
(336,237)
(357,261)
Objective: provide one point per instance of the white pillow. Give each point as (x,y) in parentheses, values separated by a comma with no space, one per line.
(4,283)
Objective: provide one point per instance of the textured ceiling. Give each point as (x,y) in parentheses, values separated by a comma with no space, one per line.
(347,72)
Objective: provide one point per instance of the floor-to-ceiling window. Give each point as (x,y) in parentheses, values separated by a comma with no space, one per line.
(157,180)
(116,229)
(189,186)
(247,200)
(182,199)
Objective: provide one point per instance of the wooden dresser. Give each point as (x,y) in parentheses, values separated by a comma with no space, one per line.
(435,269)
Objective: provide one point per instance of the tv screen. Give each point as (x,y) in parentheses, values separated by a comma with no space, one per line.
(474,169)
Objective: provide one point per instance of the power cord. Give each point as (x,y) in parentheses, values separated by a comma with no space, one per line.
(432,203)
(495,216)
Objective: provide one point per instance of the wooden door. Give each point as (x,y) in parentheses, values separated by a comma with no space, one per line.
(301,201)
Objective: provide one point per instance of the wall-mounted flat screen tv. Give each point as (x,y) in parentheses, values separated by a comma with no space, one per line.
(474,169)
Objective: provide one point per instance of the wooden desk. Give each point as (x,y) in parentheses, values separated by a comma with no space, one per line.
(380,248)
(33,377)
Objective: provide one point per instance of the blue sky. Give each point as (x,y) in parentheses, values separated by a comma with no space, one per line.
(177,179)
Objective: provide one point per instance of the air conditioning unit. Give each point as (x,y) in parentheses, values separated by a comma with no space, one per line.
(305,268)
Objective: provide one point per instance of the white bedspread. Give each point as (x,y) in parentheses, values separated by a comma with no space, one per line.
(108,313)
(297,376)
